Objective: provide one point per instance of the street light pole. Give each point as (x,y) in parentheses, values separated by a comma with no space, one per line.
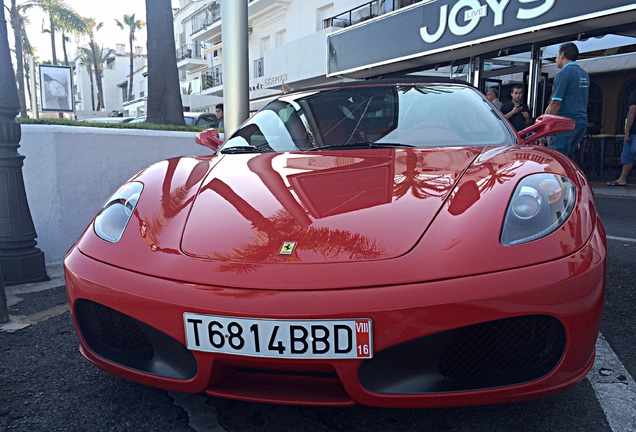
(20,260)
(236,105)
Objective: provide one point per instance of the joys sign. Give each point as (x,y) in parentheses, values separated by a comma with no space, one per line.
(472,11)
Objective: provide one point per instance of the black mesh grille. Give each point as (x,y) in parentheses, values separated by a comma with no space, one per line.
(486,355)
(124,340)
(106,328)
(501,347)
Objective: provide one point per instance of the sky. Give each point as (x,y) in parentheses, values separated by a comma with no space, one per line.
(103,11)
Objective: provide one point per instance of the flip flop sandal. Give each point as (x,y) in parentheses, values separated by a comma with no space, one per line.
(615,183)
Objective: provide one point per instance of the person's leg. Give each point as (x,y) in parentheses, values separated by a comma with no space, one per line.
(627,159)
(561,142)
(579,133)
(624,173)
(566,142)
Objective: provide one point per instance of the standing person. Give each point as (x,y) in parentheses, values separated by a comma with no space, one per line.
(493,96)
(218,109)
(517,111)
(629,144)
(570,93)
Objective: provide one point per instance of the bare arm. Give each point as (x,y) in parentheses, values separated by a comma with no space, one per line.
(512,112)
(553,107)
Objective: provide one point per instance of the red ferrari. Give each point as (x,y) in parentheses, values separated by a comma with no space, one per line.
(392,244)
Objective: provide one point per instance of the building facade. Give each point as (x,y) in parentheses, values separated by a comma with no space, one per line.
(303,43)
(287,42)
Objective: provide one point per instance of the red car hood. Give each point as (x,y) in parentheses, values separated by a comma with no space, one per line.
(327,207)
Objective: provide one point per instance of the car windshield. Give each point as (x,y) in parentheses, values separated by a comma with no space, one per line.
(367,116)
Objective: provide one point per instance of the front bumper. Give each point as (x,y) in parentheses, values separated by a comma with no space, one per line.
(492,338)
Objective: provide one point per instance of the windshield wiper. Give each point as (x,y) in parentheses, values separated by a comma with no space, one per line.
(362,145)
(244,149)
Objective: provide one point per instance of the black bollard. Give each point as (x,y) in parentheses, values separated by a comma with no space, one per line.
(4,311)
(20,260)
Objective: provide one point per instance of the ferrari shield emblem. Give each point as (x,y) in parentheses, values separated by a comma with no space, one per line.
(287,248)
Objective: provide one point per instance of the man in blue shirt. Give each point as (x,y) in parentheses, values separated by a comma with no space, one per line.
(570,93)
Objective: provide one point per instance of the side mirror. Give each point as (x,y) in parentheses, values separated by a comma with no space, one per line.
(546,124)
(209,138)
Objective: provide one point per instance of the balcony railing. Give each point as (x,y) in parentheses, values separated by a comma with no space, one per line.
(212,14)
(189,51)
(365,12)
(212,77)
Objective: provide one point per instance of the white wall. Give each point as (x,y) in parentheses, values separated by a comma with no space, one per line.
(278,61)
(69,172)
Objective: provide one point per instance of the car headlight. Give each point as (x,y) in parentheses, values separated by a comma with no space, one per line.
(112,219)
(540,204)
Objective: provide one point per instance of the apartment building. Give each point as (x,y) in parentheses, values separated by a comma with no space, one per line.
(116,71)
(304,43)
(287,42)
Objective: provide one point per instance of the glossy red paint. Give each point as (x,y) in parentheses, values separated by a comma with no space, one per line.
(443,238)
(570,289)
(406,237)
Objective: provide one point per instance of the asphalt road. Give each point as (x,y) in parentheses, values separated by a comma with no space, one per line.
(46,385)
(619,314)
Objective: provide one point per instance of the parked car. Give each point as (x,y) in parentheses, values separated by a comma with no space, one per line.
(107,120)
(191,119)
(388,243)
(200,119)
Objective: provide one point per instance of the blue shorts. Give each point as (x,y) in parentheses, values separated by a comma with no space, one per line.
(567,142)
(629,150)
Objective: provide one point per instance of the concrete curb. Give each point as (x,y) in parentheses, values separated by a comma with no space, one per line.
(601,189)
(16,294)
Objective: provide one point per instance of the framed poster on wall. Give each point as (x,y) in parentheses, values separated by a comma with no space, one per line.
(56,88)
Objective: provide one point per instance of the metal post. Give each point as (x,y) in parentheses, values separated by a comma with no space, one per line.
(235,64)
(20,260)
(534,78)
(477,69)
(34,93)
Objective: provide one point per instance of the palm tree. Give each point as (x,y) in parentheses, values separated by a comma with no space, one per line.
(71,27)
(164,95)
(133,24)
(95,52)
(60,14)
(99,55)
(65,39)
(18,21)
(28,51)
(86,61)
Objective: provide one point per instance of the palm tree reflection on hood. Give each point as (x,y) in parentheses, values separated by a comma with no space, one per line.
(420,184)
(265,244)
(173,201)
(419,174)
